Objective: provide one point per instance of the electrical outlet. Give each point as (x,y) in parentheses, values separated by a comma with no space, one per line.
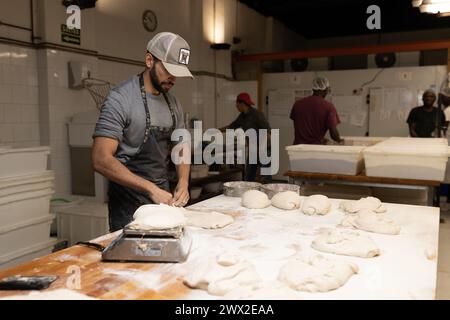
(295,79)
(405,76)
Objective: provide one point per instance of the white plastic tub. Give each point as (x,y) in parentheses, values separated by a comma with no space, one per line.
(28,254)
(23,161)
(25,234)
(82,222)
(24,206)
(361,141)
(409,161)
(326,159)
(26,183)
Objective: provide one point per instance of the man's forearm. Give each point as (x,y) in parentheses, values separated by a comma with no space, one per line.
(183,171)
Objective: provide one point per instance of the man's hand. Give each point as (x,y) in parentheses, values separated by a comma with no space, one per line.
(181,196)
(160,196)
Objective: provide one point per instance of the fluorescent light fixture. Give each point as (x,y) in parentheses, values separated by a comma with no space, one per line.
(440,7)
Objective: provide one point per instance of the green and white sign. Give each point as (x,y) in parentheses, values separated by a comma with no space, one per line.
(72,36)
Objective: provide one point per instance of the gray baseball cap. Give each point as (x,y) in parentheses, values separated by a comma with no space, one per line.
(173,51)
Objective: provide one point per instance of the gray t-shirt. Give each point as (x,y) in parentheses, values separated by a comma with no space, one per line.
(123,116)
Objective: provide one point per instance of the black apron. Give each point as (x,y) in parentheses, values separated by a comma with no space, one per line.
(150,162)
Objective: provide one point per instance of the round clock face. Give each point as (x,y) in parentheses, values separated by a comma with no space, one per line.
(149,20)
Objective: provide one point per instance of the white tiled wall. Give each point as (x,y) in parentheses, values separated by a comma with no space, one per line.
(19,104)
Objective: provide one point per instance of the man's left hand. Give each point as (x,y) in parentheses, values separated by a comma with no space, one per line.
(181,195)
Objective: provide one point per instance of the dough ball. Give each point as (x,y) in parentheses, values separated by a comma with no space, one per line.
(316,205)
(254,199)
(287,200)
(152,216)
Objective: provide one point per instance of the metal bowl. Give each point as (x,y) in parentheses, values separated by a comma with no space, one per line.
(238,188)
(274,188)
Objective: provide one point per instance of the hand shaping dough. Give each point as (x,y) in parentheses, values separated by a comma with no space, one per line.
(207,220)
(346,242)
(219,276)
(316,274)
(263,291)
(152,216)
(369,203)
(316,205)
(287,200)
(372,222)
(254,199)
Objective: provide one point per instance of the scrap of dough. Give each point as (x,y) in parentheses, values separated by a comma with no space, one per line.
(316,274)
(207,220)
(60,294)
(161,216)
(431,253)
(346,242)
(287,200)
(247,277)
(254,199)
(369,203)
(316,205)
(263,291)
(229,258)
(372,222)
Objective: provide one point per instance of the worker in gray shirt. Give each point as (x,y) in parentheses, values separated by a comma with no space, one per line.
(132,137)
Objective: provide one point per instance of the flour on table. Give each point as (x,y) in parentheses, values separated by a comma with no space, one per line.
(152,216)
(287,200)
(264,291)
(60,294)
(254,199)
(369,203)
(346,242)
(316,205)
(218,276)
(372,222)
(207,220)
(316,273)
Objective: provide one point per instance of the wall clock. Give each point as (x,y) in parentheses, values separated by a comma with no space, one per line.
(149,20)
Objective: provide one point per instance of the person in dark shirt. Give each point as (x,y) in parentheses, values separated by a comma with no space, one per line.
(313,116)
(424,119)
(249,118)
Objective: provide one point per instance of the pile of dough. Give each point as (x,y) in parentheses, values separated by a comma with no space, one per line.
(254,199)
(346,242)
(316,205)
(59,294)
(207,220)
(372,222)
(369,203)
(287,200)
(263,291)
(152,216)
(219,276)
(316,274)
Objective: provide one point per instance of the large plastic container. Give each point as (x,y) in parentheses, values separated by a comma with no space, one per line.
(407,161)
(25,206)
(82,222)
(360,141)
(27,254)
(14,162)
(326,159)
(24,234)
(27,183)
(408,141)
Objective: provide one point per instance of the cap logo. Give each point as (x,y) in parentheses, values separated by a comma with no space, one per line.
(184,56)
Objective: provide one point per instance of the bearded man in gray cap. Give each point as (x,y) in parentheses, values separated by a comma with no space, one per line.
(132,136)
(313,116)
(423,120)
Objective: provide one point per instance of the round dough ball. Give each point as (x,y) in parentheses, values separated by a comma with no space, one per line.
(287,200)
(254,199)
(152,216)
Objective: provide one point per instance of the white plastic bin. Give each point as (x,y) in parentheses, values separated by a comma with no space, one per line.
(82,222)
(410,161)
(28,254)
(27,183)
(24,206)
(326,159)
(25,234)
(23,161)
(360,141)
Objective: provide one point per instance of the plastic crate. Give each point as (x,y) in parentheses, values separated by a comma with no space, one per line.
(23,161)
(28,254)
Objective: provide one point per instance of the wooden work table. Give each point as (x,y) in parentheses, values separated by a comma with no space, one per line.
(267,238)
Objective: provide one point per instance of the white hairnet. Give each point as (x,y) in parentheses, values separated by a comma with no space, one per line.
(320,83)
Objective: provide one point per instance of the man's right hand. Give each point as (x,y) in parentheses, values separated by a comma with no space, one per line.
(160,196)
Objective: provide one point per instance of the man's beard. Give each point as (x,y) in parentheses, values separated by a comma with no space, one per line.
(155,82)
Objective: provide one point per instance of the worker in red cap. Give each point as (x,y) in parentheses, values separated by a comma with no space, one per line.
(249,118)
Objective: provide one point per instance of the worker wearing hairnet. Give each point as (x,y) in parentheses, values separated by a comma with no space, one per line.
(423,120)
(313,116)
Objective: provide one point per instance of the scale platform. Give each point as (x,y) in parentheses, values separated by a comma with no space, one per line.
(169,245)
